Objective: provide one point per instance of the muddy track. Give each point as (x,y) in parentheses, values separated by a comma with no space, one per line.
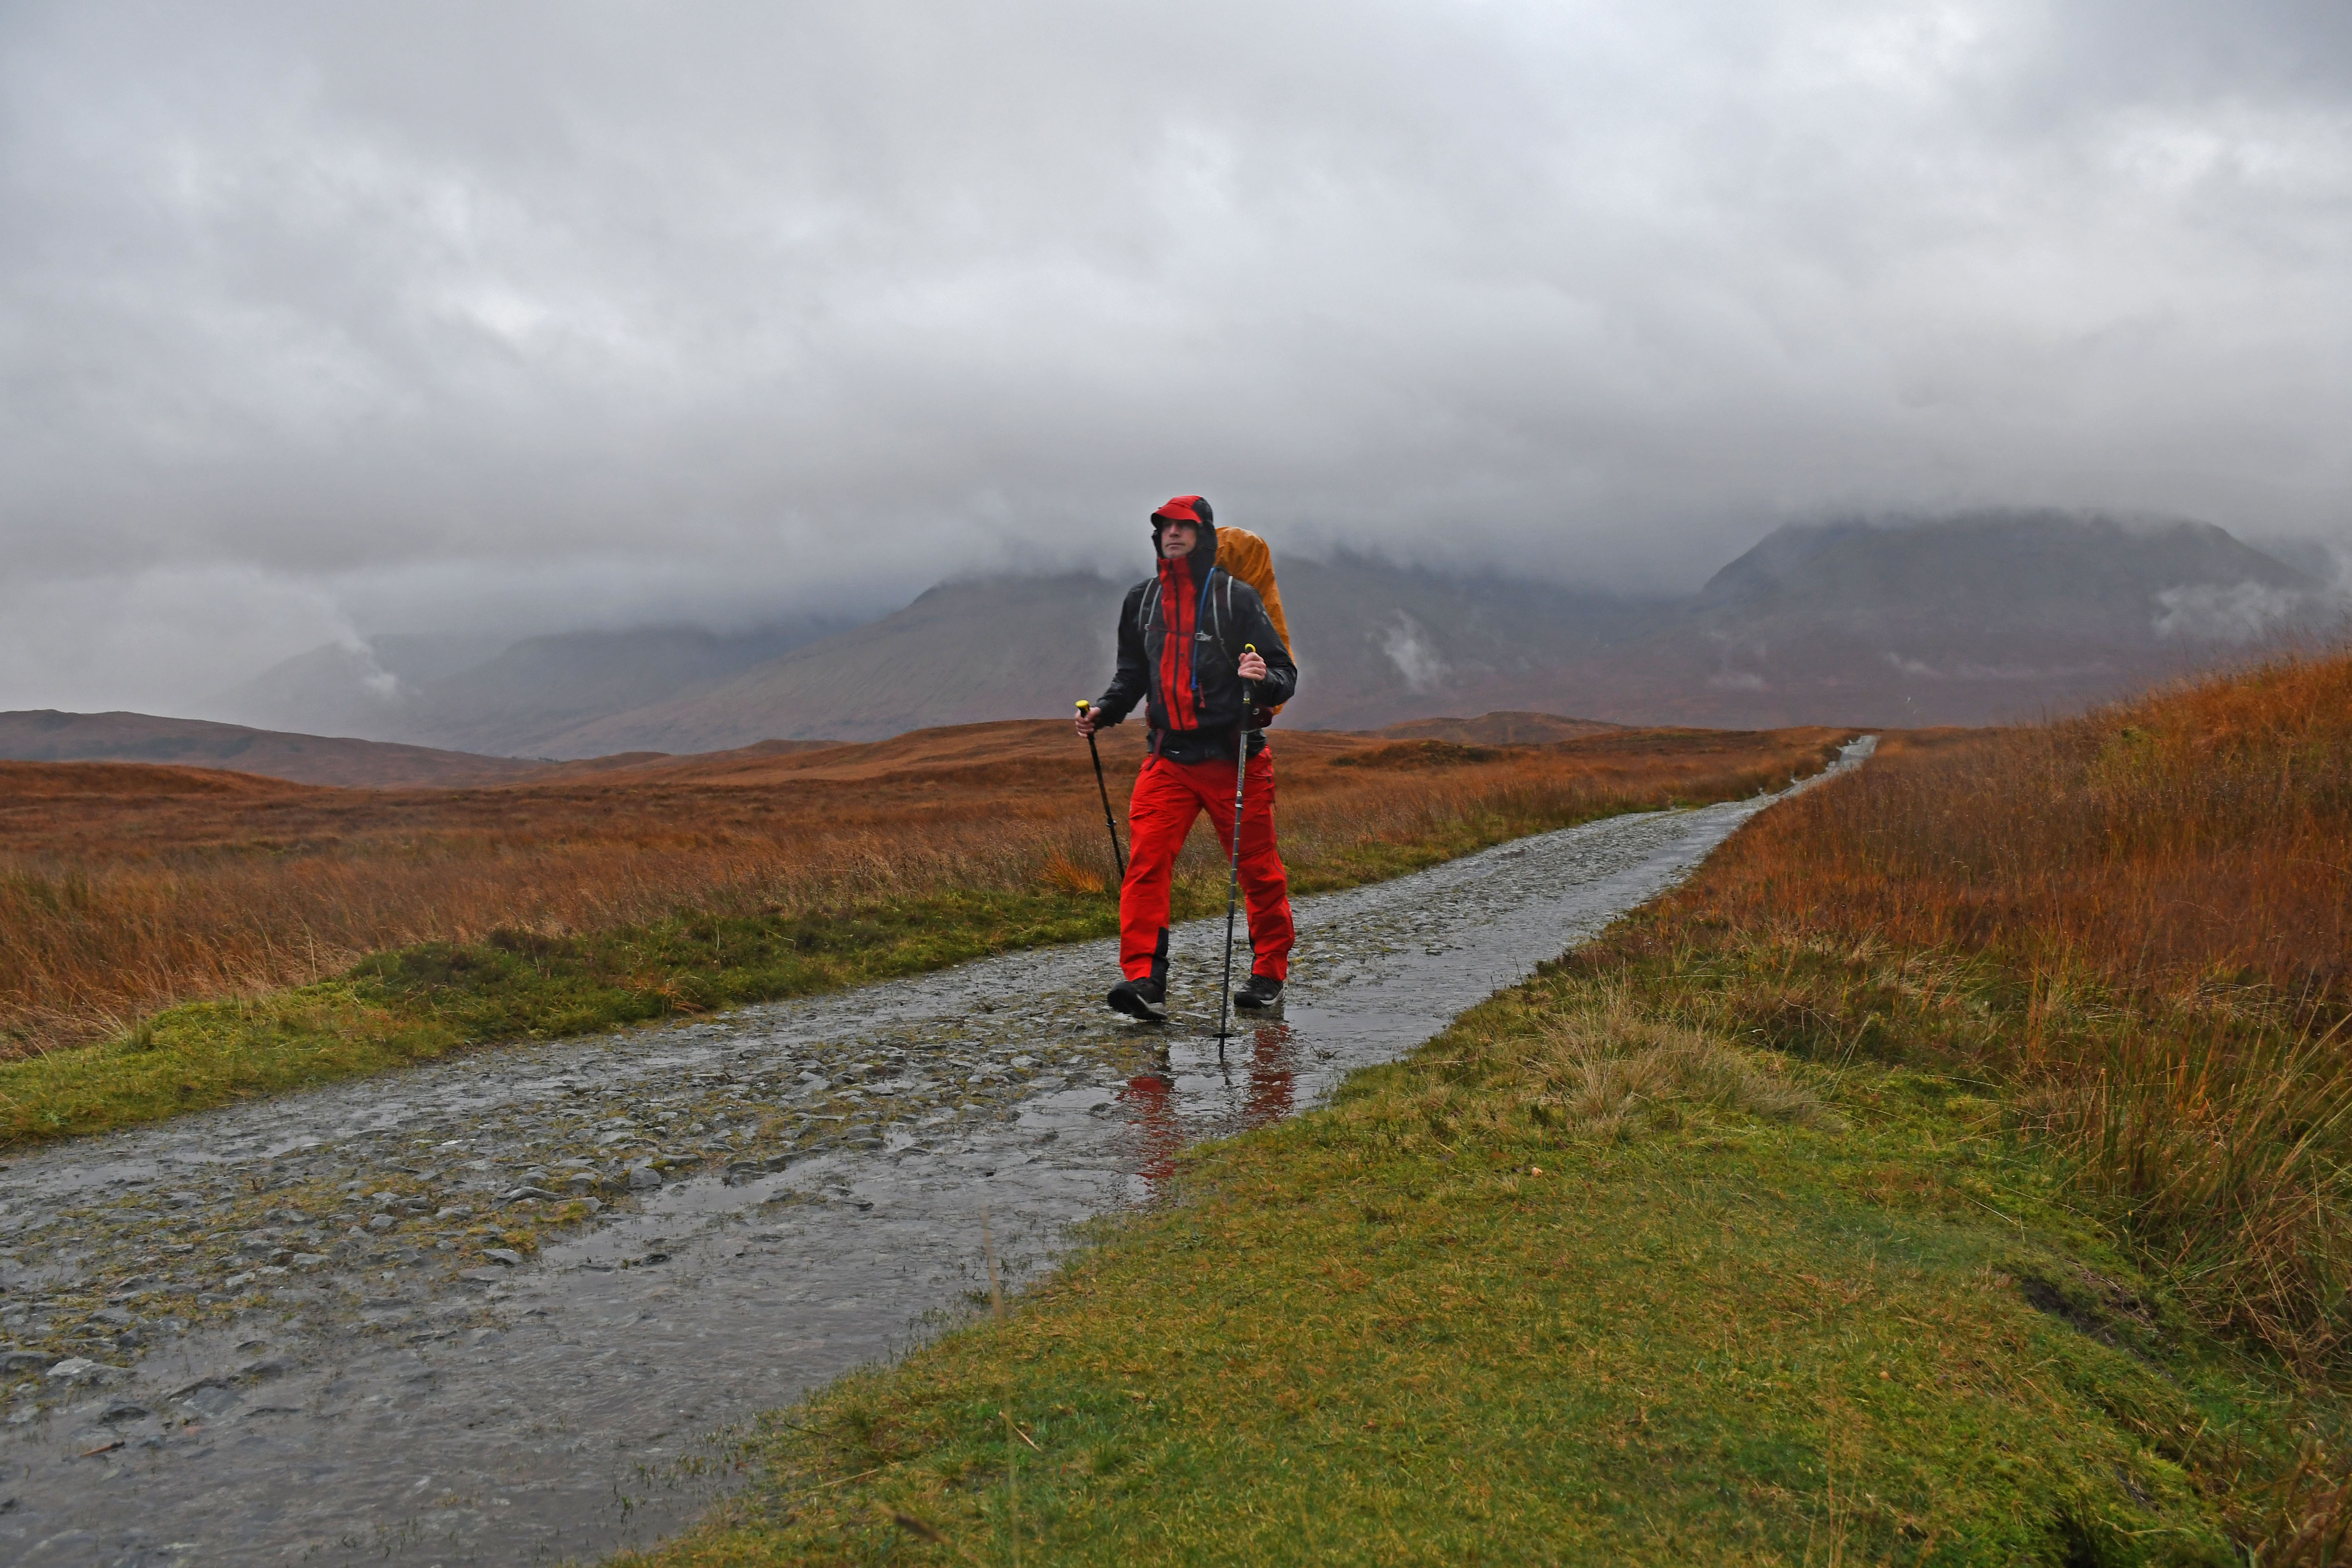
(503,1309)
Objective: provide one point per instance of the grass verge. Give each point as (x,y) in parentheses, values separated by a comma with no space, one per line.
(421,1003)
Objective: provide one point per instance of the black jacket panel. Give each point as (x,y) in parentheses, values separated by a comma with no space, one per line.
(1236,619)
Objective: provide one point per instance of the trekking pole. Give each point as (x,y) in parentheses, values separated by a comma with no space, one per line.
(1233,870)
(1108,821)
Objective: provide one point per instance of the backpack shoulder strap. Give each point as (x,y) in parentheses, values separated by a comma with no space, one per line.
(1224,612)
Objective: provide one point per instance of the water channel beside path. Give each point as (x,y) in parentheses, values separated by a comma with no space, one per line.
(270,1333)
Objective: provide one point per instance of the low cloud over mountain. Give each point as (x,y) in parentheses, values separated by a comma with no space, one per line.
(1965,620)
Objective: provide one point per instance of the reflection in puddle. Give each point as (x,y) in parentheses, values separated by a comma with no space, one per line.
(1150,1115)
(1258,1074)
(1273,1075)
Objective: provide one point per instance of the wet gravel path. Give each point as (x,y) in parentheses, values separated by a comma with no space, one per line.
(501,1309)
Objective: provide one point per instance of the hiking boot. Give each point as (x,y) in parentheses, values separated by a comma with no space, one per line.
(1146,999)
(1262,991)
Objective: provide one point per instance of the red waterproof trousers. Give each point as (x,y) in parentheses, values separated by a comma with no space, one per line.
(1167,797)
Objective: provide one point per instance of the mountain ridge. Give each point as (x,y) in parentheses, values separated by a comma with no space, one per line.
(46,753)
(485,696)
(48,735)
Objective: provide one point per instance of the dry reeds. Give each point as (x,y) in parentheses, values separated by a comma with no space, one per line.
(2142,919)
(2198,836)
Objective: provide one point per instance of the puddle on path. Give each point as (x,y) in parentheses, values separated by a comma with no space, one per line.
(348,1394)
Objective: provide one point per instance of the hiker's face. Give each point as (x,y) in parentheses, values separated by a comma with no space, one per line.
(1178,538)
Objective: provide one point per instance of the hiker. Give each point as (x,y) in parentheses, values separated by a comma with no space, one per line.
(1183,637)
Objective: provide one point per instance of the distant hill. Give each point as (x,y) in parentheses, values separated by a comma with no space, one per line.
(42,786)
(1962,620)
(46,756)
(1499,730)
(45,735)
(499,697)
(1969,620)
(1380,644)
(965,652)
(1006,647)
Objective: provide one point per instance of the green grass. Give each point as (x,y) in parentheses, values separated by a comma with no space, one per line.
(1755,1309)
(421,1003)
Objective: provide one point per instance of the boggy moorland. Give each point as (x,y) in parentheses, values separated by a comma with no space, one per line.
(1954,1172)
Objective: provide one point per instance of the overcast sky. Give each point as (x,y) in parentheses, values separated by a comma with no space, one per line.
(322,321)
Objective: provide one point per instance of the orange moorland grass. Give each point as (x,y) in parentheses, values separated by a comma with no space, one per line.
(2197,837)
(2141,919)
(125,888)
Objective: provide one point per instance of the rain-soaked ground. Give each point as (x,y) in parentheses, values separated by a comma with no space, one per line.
(277,1333)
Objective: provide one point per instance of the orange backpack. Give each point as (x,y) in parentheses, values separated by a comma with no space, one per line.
(1245,555)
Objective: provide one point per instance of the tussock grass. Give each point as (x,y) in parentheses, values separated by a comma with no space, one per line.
(1606,1071)
(1607,1068)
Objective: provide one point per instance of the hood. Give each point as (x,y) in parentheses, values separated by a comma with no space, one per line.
(1189,509)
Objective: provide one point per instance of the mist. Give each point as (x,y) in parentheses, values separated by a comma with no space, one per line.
(322,322)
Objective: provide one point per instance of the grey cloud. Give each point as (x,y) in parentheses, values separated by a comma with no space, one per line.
(1408,647)
(324,319)
(2237,613)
